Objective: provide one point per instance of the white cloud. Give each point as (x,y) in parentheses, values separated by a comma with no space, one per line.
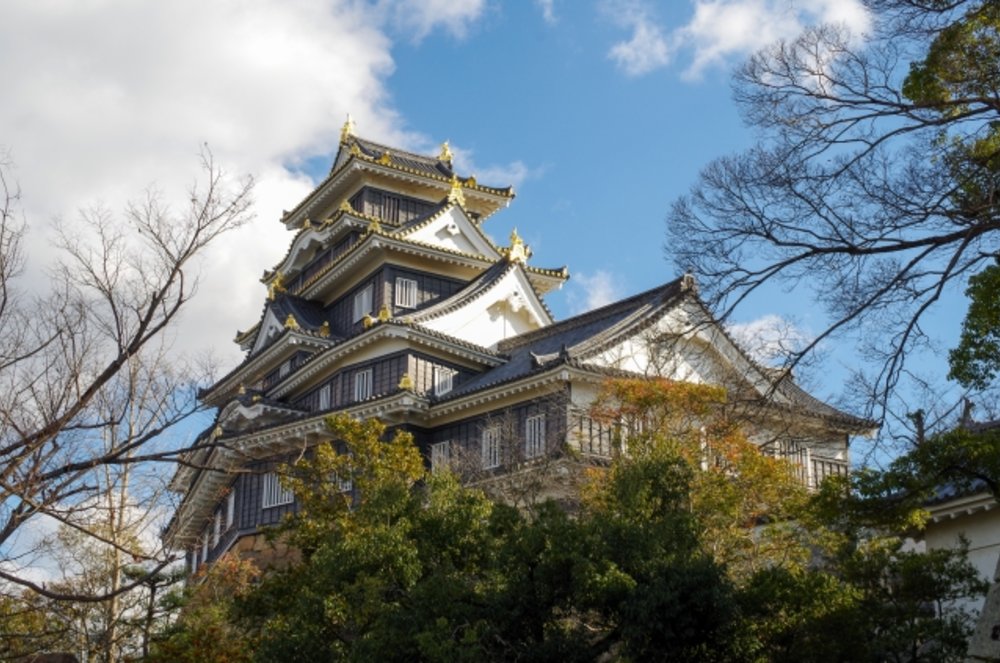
(590,291)
(647,49)
(548,8)
(770,339)
(103,98)
(721,30)
(513,174)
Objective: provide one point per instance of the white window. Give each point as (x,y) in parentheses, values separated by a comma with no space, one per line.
(363,385)
(491,447)
(345,485)
(286,366)
(363,302)
(534,436)
(274,494)
(216,528)
(230,507)
(406,292)
(324,397)
(440,456)
(204,546)
(442,380)
(194,560)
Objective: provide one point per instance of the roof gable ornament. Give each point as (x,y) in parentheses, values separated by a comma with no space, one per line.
(385,159)
(445,154)
(277,286)
(456,196)
(518,251)
(347,130)
(292,323)
(324,330)
(406,382)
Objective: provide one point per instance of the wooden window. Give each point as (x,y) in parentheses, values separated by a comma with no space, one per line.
(274,494)
(491,447)
(363,385)
(324,397)
(440,456)
(231,507)
(443,380)
(406,292)
(363,302)
(534,436)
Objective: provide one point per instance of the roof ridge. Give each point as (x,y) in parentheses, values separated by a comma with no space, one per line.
(583,318)
(366,142)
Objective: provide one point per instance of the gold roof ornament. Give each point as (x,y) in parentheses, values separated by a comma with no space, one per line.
(384,314)
(368,321)
(345,206)
(277,286)
(347,130)
(355,150)
(471,182)
(307,224)
(456,195)
(291,323)
(374,226)
(518,251)
(445,154)
(406,382)
(385,159)
(217,431)
(324,329)
(242,390)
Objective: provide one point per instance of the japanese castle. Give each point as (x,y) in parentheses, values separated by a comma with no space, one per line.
(392,302)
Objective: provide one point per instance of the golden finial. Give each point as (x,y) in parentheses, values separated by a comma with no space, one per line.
(445,154)
(242,390)
(456,195)
(307,224)
(384,314)
(368,321)
(385,159)
(517,252)
(277,285)
(345,206)
(470,181)
(324,330)
(374,226)
(347,130)
(406,382)
(291,322)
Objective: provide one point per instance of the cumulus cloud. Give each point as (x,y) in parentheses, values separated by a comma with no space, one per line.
(590,291)
(720,30)
(647,49)
(770,339)
(548,8)
(101,99)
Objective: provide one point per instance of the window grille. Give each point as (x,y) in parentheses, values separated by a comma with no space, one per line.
(324,397)
(363,302)
(363,385)
(274,494)
(491,447)
(216,528)
(204,546)
(534,436)
(440,456)
(406,292)
(231,507)
(443,380)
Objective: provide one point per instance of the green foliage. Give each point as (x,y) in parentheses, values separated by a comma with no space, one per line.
(420,568)
(976,360)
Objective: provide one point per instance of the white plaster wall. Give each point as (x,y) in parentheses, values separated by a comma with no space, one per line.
(452,230)
(982,529)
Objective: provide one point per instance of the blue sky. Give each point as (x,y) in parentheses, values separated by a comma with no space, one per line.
(600,112)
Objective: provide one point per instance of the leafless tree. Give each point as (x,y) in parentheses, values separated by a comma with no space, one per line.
(89,383)
(874,193)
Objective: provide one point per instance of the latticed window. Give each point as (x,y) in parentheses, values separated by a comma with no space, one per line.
(491,447)
(406,292)
(440,456)
(363,302)
(534,436)
(324,397)
(274,494)
(443,380)
(363,385)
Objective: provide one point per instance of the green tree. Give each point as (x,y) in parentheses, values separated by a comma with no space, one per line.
(874,180)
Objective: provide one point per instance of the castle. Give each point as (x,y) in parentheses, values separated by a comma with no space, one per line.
(392,302)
